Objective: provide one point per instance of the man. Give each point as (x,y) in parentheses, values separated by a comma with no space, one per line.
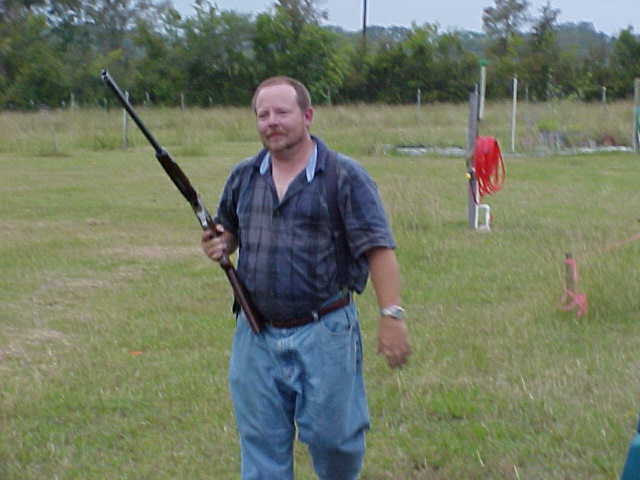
(303,371)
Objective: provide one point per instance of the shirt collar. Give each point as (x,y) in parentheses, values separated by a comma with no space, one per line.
(310,168)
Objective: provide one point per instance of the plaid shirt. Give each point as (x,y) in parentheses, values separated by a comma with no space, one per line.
(287,256)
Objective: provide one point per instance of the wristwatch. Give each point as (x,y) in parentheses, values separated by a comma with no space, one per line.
(393,311)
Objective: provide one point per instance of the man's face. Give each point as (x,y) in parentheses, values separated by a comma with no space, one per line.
(281,124)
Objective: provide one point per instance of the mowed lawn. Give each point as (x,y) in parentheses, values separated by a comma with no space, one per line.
(115,330)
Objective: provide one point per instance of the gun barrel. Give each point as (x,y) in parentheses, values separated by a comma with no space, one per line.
(106,78)
(183,184)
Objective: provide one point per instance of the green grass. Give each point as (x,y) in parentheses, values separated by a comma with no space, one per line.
(100,260)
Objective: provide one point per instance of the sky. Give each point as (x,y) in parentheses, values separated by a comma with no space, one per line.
(609,16)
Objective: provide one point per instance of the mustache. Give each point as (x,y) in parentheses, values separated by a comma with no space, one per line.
(271,133)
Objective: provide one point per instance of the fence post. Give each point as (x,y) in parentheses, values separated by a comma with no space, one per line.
(472,133)
(513,114)
(483,87)
(125,117)
(636,115)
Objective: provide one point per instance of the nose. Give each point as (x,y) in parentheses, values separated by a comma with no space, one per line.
(272,119)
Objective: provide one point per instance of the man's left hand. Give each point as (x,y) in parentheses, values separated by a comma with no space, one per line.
(393,341)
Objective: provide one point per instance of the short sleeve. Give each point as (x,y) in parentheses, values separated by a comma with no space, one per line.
(362,209)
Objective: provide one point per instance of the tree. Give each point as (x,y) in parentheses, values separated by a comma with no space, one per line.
(502,22)
(159,70)
(544,54)
(216,56)
(304,51)
(33,68)
(300,13)
(454,69)
(625,62)
(427,60)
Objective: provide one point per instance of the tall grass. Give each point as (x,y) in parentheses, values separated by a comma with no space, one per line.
(115,330)
(359,129)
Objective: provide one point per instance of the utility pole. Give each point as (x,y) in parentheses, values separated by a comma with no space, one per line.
(364,21)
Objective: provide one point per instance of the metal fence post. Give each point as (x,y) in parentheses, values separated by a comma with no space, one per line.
(636,115)
(472,133)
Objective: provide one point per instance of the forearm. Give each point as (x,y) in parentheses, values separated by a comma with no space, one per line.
(385,276)
(393,337)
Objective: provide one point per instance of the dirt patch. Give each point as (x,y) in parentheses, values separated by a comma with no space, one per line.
(21,341)
(56,292)
(154,252)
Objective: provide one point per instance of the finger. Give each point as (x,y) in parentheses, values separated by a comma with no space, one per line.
(392,361)
(396,362)
(398,357)
(207,235)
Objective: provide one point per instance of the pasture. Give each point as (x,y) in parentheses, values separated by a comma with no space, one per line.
(115,329)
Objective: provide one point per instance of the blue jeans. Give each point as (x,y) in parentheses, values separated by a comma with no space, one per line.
(631,469)
(306,379)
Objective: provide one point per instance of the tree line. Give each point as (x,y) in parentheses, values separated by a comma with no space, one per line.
(51,53)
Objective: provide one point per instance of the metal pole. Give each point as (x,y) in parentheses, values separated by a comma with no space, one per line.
(513,114)
(604,94)
(483,84)
(636,115)
(472,133)
(125,121)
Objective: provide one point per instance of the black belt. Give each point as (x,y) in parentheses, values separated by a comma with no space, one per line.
(313,316)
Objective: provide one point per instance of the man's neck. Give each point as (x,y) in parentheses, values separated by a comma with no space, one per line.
(284,168)
(293,160)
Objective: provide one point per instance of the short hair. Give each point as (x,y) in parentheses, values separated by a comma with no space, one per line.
(302,94)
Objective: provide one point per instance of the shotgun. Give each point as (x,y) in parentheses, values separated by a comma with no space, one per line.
(183,184)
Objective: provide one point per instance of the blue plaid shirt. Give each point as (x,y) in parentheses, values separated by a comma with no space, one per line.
(287,256)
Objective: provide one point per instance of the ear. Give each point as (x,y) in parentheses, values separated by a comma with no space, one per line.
(308,116)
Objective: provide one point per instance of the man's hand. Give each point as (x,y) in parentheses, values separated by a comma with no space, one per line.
(215,245)
(393,341)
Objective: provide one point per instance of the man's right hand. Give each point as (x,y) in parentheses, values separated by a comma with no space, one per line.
(216,244)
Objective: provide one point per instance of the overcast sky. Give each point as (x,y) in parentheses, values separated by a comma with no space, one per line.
(609,16)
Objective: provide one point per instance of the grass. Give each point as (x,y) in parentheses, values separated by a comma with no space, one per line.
(115,330)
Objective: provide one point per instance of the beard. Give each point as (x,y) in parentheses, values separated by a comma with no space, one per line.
(282,142)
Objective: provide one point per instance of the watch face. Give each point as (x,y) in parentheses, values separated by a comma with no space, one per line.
(394,311)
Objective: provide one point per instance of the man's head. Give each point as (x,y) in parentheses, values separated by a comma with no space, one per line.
(283,114)
(302,94)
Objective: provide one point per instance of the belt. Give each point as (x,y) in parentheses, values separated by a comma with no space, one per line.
(313,316)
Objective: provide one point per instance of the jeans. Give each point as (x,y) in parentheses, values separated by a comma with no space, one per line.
(631,469)
(307,380)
